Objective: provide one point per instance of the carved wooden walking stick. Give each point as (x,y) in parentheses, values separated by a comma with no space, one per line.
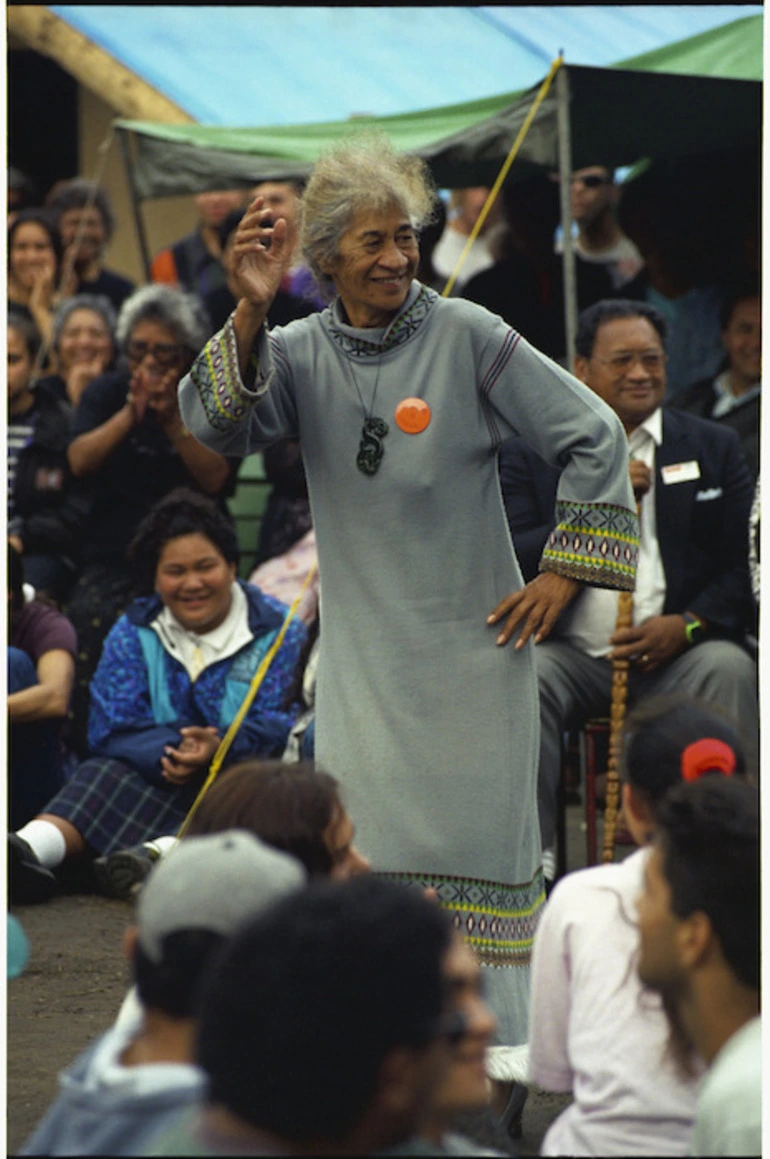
(618,703)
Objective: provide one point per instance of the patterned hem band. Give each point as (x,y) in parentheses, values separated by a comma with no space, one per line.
(497,920)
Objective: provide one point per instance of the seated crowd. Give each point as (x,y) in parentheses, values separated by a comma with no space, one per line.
(149,762)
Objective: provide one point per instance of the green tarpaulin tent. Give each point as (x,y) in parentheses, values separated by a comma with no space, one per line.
(684,98)
(699,95)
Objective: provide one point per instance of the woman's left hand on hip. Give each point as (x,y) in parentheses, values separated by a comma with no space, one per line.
(536,607)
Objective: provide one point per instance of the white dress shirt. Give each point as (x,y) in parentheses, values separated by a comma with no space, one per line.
(591,620)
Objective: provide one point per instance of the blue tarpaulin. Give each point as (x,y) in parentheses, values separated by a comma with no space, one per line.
(258,65)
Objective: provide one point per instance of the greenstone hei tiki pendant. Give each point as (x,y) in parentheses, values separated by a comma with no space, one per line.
(370,450)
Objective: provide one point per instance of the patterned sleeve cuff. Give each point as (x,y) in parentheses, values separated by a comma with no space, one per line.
(597,543)
(217,378)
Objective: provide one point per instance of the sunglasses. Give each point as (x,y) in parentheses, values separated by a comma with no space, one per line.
(165,353)
(591,181)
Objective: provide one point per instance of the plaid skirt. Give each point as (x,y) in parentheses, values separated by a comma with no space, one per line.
(113,807)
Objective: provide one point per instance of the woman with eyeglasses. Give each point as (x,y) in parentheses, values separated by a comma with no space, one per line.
(129,441)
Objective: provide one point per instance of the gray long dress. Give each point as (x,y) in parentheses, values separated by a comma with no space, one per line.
(431,729)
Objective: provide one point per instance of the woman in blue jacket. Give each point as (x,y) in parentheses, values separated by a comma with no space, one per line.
(174,670)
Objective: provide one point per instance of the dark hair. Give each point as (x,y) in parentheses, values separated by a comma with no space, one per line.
(77,194)
(181,512)
(46,222)
(313,995)
(20,321)
(229,225)
(734,295)
(657,733)
(22,184)
(172,984)
(288,806)
(708,832)
(608,310)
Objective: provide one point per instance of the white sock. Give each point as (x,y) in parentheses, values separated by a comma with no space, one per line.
(46,842)
(549,863)
(160,845)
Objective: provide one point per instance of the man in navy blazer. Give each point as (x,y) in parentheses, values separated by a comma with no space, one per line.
(692,604)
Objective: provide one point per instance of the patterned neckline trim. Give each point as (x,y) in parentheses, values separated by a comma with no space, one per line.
(414,311)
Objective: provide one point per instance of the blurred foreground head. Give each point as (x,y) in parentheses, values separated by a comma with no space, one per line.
(339,993)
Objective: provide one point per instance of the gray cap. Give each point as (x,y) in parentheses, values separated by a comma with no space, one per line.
(215,883)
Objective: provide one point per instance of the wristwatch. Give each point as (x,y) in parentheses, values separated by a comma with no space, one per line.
(693,629)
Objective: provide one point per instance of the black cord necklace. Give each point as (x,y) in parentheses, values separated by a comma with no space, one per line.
(370,449)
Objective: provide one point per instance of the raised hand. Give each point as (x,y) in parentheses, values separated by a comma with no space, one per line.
(162,397)
(259,255)
(81,373)
(138,395)
(42,293)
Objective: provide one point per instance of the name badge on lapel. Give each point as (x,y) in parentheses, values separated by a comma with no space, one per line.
(680,472)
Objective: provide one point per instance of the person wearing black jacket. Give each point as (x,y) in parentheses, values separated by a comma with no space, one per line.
(47,507)
(692,602)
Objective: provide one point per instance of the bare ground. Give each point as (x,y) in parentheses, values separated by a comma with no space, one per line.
(70,991)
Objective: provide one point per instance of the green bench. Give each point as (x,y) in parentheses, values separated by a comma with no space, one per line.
(247,507)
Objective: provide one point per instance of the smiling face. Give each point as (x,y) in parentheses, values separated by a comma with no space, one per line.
(627,369)
(194,581)
(742,339)
(85,336)
(378,258)
(31,251)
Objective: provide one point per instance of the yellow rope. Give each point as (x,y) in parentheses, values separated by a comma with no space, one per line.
(257,679)
(555,66)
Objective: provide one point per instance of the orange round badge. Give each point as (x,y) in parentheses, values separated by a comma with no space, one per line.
(412,415)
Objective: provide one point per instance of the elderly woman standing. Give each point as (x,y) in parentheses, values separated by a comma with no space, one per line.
(401,399)
(129,442)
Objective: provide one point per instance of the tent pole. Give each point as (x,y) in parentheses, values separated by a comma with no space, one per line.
(565,181)
(140,233)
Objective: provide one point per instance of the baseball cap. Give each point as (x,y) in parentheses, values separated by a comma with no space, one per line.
(216,883)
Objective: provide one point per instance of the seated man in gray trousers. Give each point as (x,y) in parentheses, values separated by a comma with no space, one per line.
(692,604)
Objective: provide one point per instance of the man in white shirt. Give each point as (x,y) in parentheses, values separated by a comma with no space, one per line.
(733,396)
(699,948)
(692,603)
